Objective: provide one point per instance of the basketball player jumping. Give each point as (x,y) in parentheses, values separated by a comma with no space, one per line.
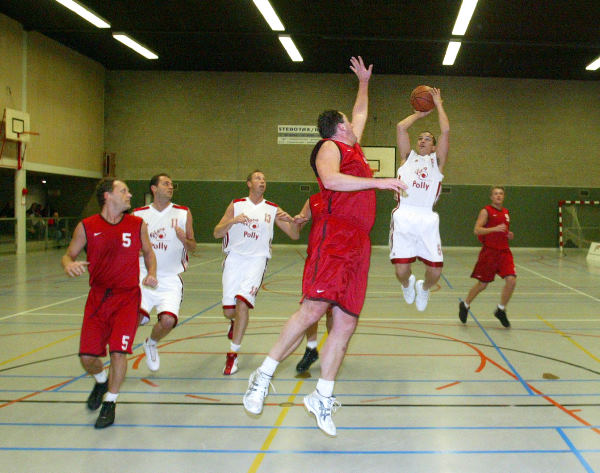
(414,228)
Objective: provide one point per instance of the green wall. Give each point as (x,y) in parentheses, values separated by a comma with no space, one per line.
(533,209)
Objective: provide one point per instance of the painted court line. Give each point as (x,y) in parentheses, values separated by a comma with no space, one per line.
(561,333)
(42,307)
(558,282)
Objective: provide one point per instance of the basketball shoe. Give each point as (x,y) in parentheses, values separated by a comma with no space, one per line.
(258,389)
(501,316)
(322,407)
(422,296)
(310,356)
(95,398)
(463,312)
(107,415)
(409,292)
(152,358)
(231,363)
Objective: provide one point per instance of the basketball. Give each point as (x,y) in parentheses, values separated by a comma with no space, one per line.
(421,100)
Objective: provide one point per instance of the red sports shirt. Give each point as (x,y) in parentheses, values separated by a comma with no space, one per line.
(497,240)
(113,251)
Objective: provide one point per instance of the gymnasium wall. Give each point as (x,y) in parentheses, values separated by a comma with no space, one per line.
(63,92)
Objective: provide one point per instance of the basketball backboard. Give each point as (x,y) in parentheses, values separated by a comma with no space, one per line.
(16,125)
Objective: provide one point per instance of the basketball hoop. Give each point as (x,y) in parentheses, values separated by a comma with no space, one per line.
(22,139)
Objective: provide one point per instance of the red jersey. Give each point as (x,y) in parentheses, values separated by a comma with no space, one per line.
(497,240)
(357,207)
(113,251)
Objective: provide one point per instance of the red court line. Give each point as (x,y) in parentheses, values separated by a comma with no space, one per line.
(484,359)
(35,393)
(448,385)
(204,398)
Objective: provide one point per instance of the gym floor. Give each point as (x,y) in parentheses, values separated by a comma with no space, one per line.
(420,392)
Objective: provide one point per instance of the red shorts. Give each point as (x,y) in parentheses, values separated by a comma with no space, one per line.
(111,318)
(491,262)
(337,266)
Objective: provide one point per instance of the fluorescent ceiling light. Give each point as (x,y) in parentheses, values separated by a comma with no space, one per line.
(290,47)
(451,52)
(269,14)
(594,66)
(84,13)
(464,17)
(137,47)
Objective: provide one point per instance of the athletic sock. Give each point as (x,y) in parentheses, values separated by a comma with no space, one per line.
(501,307)
(312,344)
(269,366)
(101,377)
(325,387)
(151,341)
(466,305)
(110,397)
(234,348)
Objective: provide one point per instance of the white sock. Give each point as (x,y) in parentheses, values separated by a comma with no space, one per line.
(110,397)
(325,388)
(501,307)
(269,366)
(312,344)
(150,341)
(466,305)
(101,377)
(234,348)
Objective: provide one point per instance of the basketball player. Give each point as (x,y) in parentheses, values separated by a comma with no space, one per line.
(172,235)
(414,228)
(247,231)
(113,240)
(337,266)
(495,257)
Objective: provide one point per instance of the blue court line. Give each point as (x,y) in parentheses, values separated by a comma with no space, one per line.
(299,427)
(179,324)
(295,380)
(446,281)
(512,368)
(289,452)
(577,453)
(341,396)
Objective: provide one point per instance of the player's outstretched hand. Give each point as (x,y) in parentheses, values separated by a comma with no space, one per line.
(150,281)
(392,184)
(76,268)
(358,67)
(436,95)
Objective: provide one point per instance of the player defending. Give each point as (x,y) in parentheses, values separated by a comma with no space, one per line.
(247,232)
(495,257)
(414,229)
(114,240)
(339,250)
(171,232)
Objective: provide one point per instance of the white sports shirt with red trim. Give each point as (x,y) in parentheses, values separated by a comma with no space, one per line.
(171,257)
(254,237)
(424,180)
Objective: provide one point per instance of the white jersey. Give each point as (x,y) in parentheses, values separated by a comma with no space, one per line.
(171,256)
(254,237)
(424,180)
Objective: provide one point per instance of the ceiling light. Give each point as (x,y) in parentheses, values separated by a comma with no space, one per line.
(84,12)
(451,52)
(464,17)
(290,47)
(593,66)
(269,14)
(137,47)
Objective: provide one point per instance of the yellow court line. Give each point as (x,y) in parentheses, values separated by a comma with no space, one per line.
(267,443)
(38,349)
(591,355)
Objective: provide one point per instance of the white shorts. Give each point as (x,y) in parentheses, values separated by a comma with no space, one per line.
(166,297)
(242,278)
(415,233)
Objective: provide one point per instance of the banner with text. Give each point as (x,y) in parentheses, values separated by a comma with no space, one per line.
(297,135)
